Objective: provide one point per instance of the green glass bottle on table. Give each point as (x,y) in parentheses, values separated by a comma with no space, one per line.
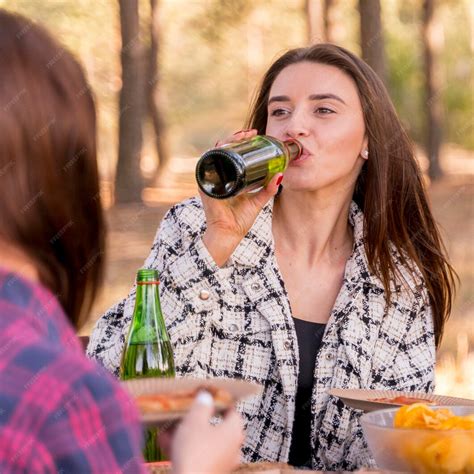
(148,351)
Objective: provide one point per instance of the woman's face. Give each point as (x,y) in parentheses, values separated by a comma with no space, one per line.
(319,106)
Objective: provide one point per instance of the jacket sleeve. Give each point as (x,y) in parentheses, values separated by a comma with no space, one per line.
(190,285)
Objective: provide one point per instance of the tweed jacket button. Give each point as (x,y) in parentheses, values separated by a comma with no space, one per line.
(329,356)
(287,345)
(255,286)
(204,295)
(233,327)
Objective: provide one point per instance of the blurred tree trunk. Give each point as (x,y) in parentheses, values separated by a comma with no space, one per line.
(153,94)
(432,86)
(128,180)
(328,15)
(314,21)
(371,36)
(319,24)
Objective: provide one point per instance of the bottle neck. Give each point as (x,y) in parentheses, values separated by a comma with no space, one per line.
(294,148)
(148,324)
(147,305)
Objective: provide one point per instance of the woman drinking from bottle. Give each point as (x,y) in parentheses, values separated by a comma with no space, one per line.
(339,280)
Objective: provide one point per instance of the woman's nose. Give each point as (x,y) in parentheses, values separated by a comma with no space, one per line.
(297,126)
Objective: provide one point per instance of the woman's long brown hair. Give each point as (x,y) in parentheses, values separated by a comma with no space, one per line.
(49,184)
(389,189)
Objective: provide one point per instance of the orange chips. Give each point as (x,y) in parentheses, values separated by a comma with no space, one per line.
(419,415)
(444,444)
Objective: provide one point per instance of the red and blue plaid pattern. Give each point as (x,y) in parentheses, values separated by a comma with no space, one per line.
(59,412)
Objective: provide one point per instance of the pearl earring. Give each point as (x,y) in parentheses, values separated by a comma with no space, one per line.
(365,153)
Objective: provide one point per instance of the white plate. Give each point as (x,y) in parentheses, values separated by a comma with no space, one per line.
(238,389)
(364,399)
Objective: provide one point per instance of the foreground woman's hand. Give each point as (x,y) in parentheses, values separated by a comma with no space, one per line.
(229,220)
(198,447)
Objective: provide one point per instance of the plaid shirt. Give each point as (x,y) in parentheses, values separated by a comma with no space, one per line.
(59,412)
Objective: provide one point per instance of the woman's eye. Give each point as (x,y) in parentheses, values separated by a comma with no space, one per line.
(324,111)
(278,112)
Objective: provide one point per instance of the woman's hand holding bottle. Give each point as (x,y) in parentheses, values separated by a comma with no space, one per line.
(229,220)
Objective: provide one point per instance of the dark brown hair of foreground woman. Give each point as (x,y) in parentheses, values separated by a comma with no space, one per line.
(49,186)
(390,189)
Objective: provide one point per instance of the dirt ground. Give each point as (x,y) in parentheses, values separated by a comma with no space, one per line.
(132,229)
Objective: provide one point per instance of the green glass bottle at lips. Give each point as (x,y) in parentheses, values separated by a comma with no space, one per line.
(244,166)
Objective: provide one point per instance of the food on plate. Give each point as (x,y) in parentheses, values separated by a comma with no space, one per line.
(402,400)
(444,446)
(181,401)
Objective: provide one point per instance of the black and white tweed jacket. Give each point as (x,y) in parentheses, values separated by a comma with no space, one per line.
(236,322)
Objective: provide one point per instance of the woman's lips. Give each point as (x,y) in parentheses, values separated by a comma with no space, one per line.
(306,154)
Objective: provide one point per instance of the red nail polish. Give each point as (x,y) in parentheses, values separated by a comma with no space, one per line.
(279,180)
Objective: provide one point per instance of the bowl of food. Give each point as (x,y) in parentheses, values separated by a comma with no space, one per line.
(422,439)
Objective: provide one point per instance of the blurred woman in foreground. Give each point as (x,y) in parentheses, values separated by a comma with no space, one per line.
(59,411)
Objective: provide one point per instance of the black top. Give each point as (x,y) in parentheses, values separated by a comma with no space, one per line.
(309,337)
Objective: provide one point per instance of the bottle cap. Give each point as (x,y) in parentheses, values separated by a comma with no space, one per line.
(147,276)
